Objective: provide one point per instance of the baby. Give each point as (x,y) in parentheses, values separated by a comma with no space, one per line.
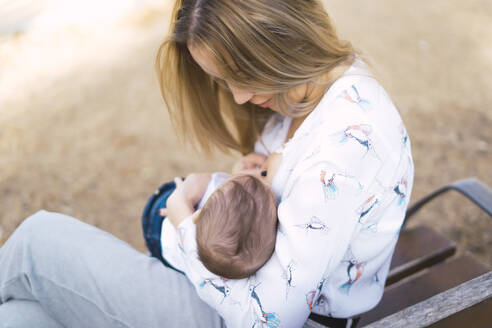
(236,217)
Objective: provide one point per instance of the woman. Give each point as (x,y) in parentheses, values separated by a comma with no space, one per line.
(228,70)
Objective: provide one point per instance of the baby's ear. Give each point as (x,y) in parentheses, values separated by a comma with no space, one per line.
(196,215)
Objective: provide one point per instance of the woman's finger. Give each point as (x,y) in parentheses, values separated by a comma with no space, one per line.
(255,158)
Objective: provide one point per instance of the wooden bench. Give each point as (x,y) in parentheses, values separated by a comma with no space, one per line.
(427,285)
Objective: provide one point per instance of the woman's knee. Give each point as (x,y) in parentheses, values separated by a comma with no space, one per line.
(42,243)
(43,221)
(41,228)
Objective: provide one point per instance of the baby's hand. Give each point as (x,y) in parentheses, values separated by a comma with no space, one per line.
(193,187)
(163,212)
(181,203)
(249,162)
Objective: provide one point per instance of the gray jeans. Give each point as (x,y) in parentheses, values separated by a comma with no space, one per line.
(56,271)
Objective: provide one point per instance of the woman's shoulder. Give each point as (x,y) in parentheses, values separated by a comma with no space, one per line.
(355,98)
(354,88)
(355,127)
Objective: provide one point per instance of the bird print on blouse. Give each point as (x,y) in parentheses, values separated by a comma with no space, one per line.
(400,190)
(329,182)
(314,224)
(360,134)
(261,317)
(288,276)
(312,295)
(403,134)
(378,281)
(364,210)
(330,189)
(354,272)
(218,285)
(352,95)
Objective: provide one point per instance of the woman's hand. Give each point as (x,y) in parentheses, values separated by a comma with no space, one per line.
(249,162)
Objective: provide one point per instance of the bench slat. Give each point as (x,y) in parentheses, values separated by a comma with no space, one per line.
(467,305)
(424,285)
(477,316)
(418,248)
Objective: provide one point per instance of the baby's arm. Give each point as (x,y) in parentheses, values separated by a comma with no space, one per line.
(182,202)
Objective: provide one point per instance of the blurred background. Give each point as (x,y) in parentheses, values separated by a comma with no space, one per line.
(84,131)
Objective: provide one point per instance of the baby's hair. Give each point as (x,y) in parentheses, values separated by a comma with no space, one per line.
(237,227)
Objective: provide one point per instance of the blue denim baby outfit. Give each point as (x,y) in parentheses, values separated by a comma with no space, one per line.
(152,221)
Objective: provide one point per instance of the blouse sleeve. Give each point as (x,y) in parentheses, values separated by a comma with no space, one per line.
(316,222)
(347,177)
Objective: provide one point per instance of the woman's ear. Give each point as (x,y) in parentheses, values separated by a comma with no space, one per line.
(196,215)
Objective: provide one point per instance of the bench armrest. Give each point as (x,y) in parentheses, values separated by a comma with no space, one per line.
(475,190)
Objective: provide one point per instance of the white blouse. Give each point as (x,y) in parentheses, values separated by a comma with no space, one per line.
(344,185)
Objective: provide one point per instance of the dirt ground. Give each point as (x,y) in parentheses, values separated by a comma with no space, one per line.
(83,129)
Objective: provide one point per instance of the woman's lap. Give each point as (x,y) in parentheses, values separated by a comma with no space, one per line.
(85,277)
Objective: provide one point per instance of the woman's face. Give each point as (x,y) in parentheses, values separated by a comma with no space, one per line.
(241,96)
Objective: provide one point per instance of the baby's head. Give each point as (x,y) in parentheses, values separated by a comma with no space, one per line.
(237,227)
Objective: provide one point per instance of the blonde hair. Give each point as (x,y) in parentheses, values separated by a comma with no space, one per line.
(237,227)
(261,46)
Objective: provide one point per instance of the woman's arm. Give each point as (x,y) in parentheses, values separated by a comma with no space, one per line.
(309,239)
(348,178)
